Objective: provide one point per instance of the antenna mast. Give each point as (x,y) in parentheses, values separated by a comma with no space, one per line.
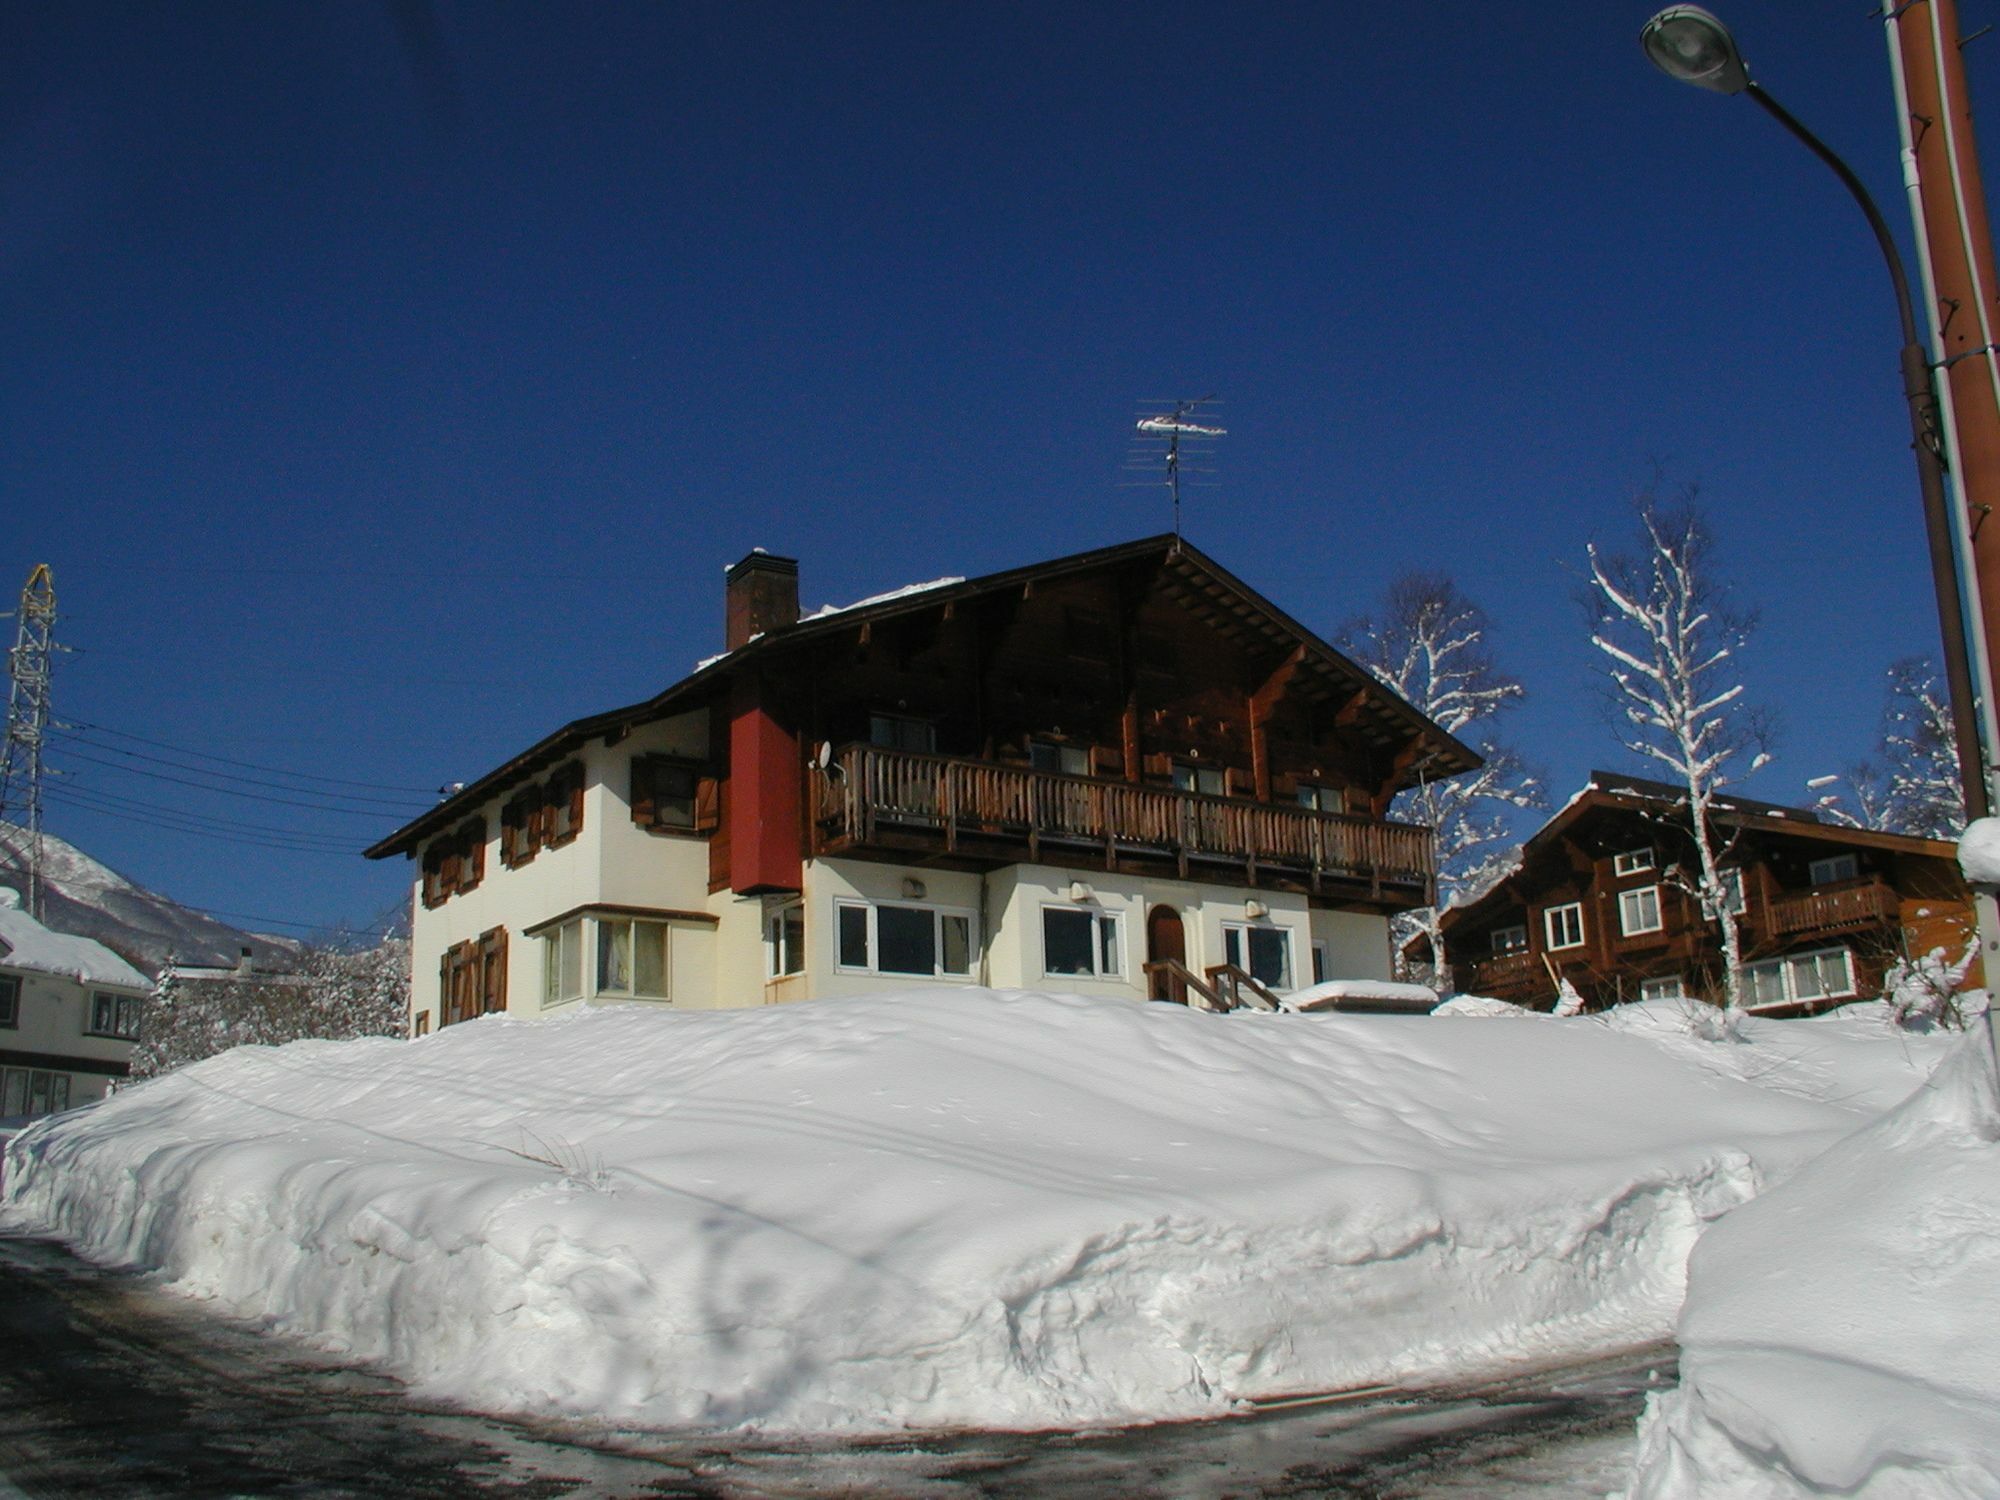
(28,719)
(1178,432)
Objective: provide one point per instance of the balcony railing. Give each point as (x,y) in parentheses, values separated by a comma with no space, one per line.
(1507,971)
(965,806)
(1844,907)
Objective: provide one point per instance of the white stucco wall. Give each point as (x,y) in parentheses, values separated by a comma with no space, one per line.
(54,1021)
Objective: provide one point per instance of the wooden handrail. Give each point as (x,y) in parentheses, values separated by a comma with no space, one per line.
(1232,983)
(869,788)
(1179,978)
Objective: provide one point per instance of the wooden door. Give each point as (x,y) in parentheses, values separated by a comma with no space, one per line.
(1166,943)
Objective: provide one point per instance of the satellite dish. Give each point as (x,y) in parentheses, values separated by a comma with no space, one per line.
(823,756)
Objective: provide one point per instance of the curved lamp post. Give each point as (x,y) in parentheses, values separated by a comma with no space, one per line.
(1687,43)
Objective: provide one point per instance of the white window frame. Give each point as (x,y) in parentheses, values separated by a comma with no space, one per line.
(20,1087)
(124,1011)
(1787,970)
(1511,949)
(1107,942)
(606,927)
(1572,924)
(1235,937)
(1833,864)
(784,941)
(1632,861)
(1632,901)
(555,970)
(939,915)
(10,1001)
(1657,989)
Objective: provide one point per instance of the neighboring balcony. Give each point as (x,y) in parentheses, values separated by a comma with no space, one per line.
(1501,977)
(876,800)
(1835,909)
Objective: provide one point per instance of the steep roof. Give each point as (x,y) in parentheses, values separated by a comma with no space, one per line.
(26,944)
(1210,591)
(1615,792)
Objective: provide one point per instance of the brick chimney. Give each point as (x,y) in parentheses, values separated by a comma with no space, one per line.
(762,593)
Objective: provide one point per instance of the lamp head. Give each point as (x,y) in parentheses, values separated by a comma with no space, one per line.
(1686,42)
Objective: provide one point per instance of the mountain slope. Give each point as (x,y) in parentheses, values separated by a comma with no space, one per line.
(89,899)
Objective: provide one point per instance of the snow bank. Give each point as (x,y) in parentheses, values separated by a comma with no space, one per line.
(1363,994)
(1840,1336)
(945,1207)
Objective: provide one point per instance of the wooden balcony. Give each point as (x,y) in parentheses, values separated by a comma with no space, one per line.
(1836,909)
(984,814)
(1501,976)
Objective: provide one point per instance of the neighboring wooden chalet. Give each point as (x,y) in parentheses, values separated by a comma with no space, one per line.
(70,1011)
(1598,899)
(1123,772)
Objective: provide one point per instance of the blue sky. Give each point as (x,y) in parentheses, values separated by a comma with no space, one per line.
(385,392)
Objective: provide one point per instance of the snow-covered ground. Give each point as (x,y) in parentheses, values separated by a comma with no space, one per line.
(954,1206)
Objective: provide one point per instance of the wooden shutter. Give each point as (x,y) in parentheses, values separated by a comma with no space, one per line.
(1161,765)
(644,806)
(471,854)
(1107,760)
(444,988)
(707,804)
(493,971)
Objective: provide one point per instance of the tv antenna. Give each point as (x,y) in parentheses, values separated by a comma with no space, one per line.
(28,719)
(1172,437)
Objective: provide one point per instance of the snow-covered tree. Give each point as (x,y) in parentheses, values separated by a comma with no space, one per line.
(338,991)
(1429,645)
(1661,618)
(1915,786)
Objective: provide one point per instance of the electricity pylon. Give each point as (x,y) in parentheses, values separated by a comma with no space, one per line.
(28,720)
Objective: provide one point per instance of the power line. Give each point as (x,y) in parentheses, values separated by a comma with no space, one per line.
(401,806)
(69,798)
(303,836)
(226,791)
(247,765)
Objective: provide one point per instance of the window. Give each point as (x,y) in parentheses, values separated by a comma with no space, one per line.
(1508,940)
(1732,890)
(115,1015)
(1632,862)
(1639,910)
(562,963)
(901,732)
(1322,798)
(1563,925)
(1825,974)
(1319,962)
(29,1091)
(631,958)
(1062,760)
(493,971)
(928,941)
(1834,867)
(785,940)
(1669,988)
(1208,781)
(471,853)
(1264,953)
(673,794)
(10,1000)
(421,1026)
(1087,634)
(521,827)
(458,983)
(456,862)
(1082,942)
(562,805)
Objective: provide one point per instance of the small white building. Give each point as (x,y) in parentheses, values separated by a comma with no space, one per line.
(70,1011)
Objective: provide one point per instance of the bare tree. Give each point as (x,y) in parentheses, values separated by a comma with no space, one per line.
(1915,787)
(1662,619)
(1429,645)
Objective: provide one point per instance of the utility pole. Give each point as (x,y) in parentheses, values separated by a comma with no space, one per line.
(28,720)
(1955,253)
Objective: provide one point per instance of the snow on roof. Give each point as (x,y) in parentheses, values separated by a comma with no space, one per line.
(27,944)
(909,588)
(1358,994)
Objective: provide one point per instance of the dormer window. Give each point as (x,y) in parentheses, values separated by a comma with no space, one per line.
(1510,940)
(1632,862)
(1833,868)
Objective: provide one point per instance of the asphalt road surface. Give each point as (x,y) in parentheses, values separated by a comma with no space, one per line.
(108,1387)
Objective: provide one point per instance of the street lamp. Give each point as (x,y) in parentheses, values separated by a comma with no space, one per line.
(1687,43)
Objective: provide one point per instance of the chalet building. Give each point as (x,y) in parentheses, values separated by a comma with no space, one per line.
(70,1010)
(1598,898)
(1123,773)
